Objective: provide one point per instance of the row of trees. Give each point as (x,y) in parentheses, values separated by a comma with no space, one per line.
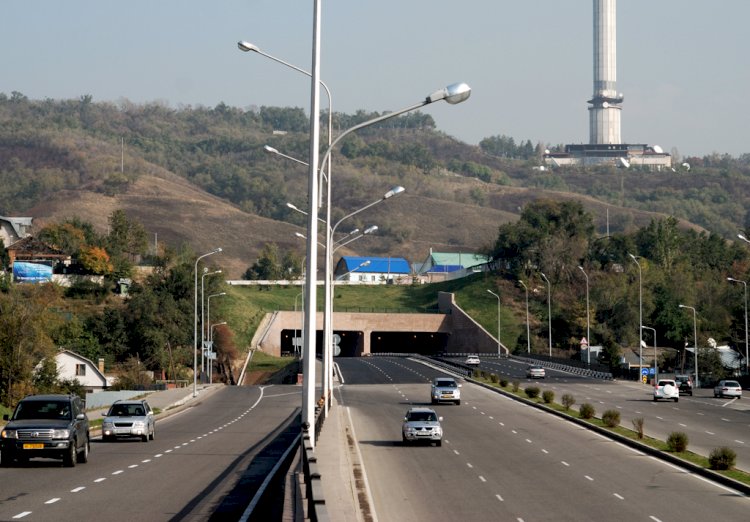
(674,266)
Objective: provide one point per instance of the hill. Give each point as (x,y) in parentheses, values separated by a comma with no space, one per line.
(199,177)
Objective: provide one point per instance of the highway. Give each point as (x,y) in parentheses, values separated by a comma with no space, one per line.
(708,422)
(502,460)
(189,472)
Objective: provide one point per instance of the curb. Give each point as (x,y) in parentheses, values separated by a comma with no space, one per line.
(672,459)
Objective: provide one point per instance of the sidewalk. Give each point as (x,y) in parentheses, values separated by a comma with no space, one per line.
(337,459)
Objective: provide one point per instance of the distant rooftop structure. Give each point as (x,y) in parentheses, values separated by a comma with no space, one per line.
(14,228)
(371,269)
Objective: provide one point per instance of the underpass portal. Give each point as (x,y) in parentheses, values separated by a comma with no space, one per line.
(423,343)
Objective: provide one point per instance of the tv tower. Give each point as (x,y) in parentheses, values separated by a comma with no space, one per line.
(604,112)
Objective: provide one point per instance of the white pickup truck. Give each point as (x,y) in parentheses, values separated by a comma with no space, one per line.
(666,389)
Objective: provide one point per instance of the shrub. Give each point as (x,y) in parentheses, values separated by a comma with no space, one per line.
(476,374)
(586,411)
(722,458)
(493,378)
(532,392)
(611,418)
(638,426)
(515,385)
(568,400)
(504,382)
(548,396)
(677,441)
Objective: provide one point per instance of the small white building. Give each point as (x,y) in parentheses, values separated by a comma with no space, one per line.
(71,365)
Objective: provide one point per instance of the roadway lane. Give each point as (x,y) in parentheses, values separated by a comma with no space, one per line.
(185,473)
(502,460)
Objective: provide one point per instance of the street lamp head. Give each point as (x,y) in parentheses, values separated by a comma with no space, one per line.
(453,94)
(366,263)
(370,230)
(300,235)
(247,46)
(743,238)
(216,251)
(270,149)
(394,192)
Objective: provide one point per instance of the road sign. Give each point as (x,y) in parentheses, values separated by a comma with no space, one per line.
(207,345)
(211,356)
(584,343)
(336,348)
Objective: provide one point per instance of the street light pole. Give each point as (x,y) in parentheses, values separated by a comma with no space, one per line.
(656,366)
(695,345)
(640,312)
(195,319)
(549,311)
(528,333)
(733,280)
(203,327)
(211,338)
(498,320)
(588,318)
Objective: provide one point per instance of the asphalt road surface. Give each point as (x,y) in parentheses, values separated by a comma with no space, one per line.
(502,460)
(187,473)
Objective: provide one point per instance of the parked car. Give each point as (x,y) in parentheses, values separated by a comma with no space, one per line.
(535,372)
(422,424)
(48,426)
(728,389)
(127,419)
(666,389)
(445,389)
(684,383)
(472,360)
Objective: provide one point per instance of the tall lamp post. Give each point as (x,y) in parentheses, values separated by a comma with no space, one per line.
(528,332)
(498,320)
(656,366)
(195,319)
(695,343)
(588,318)
(549,311)
(203,323)
(640,312)
(733,280)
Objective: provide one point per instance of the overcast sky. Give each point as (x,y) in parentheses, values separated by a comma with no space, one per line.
(682,64)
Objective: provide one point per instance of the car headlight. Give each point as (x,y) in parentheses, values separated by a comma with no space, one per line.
(60,434)
(107,425)
(139,424)
(9,434)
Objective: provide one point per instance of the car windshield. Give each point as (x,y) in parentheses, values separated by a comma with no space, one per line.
(446,384)
(421,416)
(732,384)
(43,410)
(126,410)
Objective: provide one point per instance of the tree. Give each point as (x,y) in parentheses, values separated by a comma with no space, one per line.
(268,266)
(95,260)
(126,237)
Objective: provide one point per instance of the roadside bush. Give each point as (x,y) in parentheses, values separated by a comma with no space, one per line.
(586,411)
(548,396)
(677,441)
(476,374)
(504,382)
(638,426)
(515,386)
(532,392)
(568,400)
(611,418)
(493,378)
(722,458)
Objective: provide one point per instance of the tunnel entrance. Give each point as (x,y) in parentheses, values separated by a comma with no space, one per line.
(423,343)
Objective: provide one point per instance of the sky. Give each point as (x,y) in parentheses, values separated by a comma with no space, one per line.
(681,64)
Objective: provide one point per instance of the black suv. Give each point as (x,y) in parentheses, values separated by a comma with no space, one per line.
(49,426)
(685,384)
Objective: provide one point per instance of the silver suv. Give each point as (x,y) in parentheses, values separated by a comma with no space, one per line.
(422,424)
(129,419)
(445,389)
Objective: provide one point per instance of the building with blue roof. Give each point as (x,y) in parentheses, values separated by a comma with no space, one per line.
(372,270)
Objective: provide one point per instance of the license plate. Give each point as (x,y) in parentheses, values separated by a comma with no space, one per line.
(33,446)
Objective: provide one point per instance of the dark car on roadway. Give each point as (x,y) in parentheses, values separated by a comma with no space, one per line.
(48,426)
(684,383)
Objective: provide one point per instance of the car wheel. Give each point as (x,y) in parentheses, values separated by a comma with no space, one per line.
(655,399)
(71,457)
(6,460)
(144,438)
(403,439)
(438,443)
(83,455)
(153,434)
(676,399)
(458,402)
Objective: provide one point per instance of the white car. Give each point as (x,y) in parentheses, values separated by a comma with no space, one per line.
(445,389)
(129,418)
(535,372)
(666,389)
(728,389)
(472,360)
(422,424)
